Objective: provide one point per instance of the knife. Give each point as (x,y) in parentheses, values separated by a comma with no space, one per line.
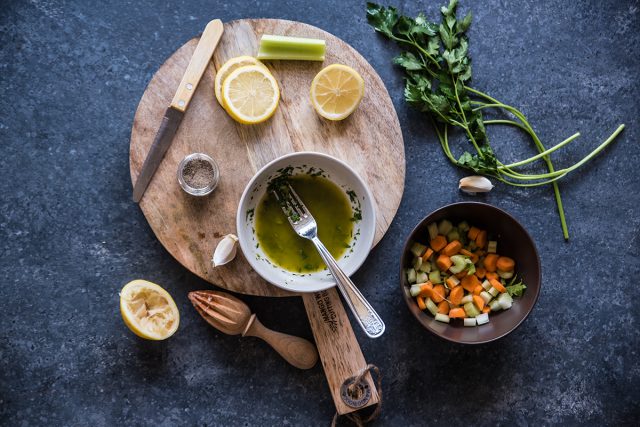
(174,114)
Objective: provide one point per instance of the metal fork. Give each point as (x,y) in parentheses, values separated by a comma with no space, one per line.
(305,225)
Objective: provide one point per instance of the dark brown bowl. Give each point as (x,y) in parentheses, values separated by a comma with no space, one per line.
(513,241)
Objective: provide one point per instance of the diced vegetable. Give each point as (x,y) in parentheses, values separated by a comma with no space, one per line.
(482,318)
(443,307)
(505,274)
(453,235)
(505,264)
(493,247)
(411,275)
(418,249)
(481,239)
(471,310)
(459,264)
(434,276)
(473,233)
(414,290)
(294,48)
(421,277)
(486,285)
(486,296)
(478,301)
(496,284)
(437,293)
(421,304)
(431,307)
(417,262)
(438,242)
(493,291)
(433,230)
(492,275)
(452,282)
(427,255)
(457,313)
(425,290)
(456,295)
(442,318)
(495,305)
(466,298)
(490,262)
(452,248)
(425,267)
(444,227)
(463,226)
(443,262)
(505,301)
(470,321)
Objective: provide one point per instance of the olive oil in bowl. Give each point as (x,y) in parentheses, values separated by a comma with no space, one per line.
(332,211)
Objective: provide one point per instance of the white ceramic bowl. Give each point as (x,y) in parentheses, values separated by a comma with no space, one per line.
(340,174)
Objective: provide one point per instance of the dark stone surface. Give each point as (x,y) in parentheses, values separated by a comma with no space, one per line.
(71,75)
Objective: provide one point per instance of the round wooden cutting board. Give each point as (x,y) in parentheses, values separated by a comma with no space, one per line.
(370,141)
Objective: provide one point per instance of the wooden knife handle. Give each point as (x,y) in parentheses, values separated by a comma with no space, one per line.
(295,350)
(198,63)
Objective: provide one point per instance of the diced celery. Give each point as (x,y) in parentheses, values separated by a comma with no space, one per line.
(434,277)
(469,321)
(295,48)
(486,285)
(471,310)
(453,235)
(442,318)
(444,227)
(417,263)
(495,305)
(493,291)
(463,226)
(414,290)
(492,248)
(465,299)
(486,296)
(421,277)
(433,230)
(454,280)
(426,267)
(505,301)
(459,264)
(411,275)
(418,249)
(431,306)
(505,274)
(482,318)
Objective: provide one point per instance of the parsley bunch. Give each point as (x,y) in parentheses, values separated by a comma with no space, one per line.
(438,73)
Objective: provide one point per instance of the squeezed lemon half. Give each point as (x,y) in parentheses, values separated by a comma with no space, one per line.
(336,91)
(226,69)
(250,94)
(148,310)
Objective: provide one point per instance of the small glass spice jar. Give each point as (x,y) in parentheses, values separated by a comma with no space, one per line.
(198,174)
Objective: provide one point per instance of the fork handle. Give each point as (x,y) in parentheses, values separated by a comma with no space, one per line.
(366,316)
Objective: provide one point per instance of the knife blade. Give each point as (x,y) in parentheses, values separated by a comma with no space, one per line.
(174,114)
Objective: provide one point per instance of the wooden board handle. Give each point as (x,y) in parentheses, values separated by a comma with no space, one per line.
(339,350)
(198,63)
(295,350)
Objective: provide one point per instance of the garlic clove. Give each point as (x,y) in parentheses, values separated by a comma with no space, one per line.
(225,251)
(475,184)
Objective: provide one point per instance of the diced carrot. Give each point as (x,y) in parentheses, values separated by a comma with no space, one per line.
(473,233)
(478,301)
(427,255)
(487,309)
(481,239)
(462,274)
(443,307)
(481,272)
(421,304)
(438,243)
(443,262)
(457,313)
(478,289)
(456,295)
(466,252)
(505,263)
(452,248)
(425,290)
(470,282)
(496,284)
(437,293)
(490,262)
(490,276)
(450,283)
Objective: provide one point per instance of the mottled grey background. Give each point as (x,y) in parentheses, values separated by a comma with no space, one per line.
(71,75)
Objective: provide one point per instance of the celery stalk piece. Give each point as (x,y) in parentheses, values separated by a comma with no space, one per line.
(291,48)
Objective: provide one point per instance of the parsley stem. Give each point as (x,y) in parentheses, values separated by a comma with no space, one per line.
(541,148)
(417,46)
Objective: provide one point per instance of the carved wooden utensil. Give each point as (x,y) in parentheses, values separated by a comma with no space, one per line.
(233,317)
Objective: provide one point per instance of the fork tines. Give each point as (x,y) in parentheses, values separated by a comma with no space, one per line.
(290,203)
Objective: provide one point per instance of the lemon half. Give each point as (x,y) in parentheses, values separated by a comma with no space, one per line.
(226,69)
(336,91)
(148,310)
(250,94)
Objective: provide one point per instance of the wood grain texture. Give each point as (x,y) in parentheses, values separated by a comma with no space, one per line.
(370,141)
(339,350)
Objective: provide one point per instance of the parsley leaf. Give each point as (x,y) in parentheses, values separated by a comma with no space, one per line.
(516,290)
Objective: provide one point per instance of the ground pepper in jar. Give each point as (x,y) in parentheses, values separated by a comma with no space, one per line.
(198,173)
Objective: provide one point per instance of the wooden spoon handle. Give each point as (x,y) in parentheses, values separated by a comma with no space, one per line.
(295,350)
